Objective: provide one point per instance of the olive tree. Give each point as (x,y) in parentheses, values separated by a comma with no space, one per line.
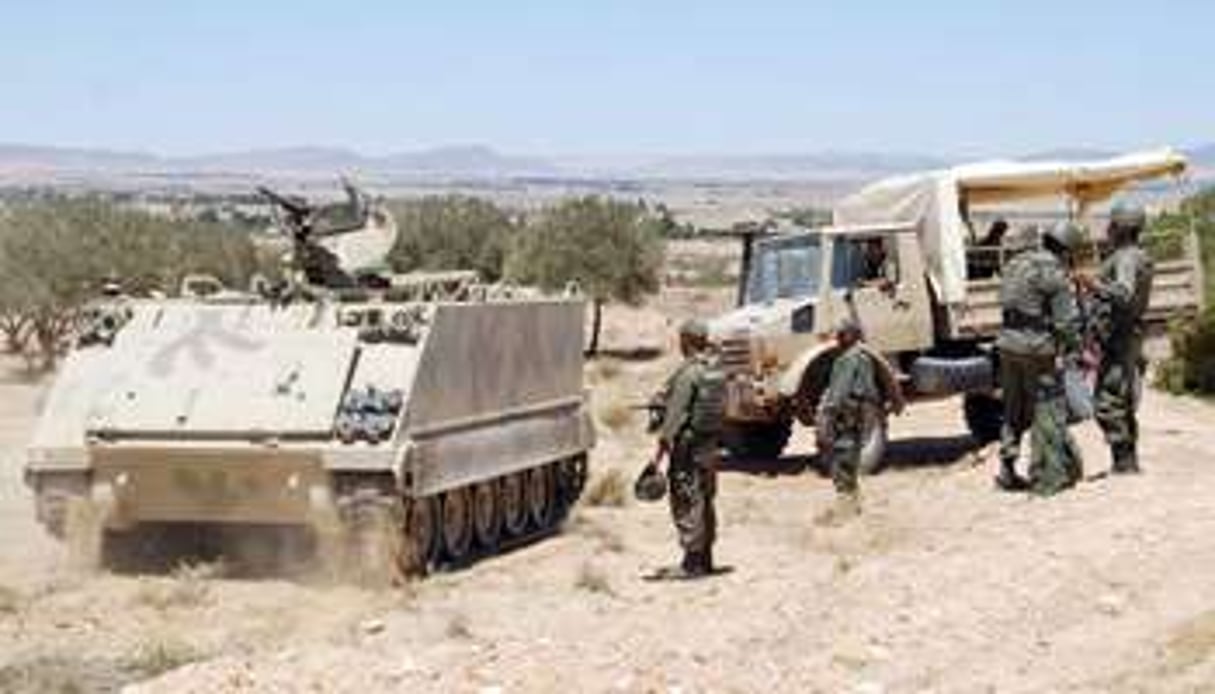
(612,249)
(451,232)
(55,254)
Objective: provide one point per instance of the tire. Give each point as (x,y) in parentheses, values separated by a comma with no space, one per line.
(422,534)
(456,524)
(874,435)
(487,516)
(757,440)
(540,494)
(514,508)
(984,416)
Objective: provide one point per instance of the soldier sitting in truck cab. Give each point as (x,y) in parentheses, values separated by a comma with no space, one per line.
(865,263)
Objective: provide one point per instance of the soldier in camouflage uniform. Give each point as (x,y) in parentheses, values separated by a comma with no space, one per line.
(1119,296)
(852,387)
(1038,330)
(689,437)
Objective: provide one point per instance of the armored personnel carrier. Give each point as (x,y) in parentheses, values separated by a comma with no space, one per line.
(400,422)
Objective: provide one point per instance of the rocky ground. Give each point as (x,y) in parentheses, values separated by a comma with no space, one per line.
(943,585)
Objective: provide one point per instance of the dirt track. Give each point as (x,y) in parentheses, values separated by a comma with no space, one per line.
(943,585)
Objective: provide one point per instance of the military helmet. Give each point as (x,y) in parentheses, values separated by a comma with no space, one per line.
(1128,215)
(1126,222)
(694,327)
(1065,234)
(651,484)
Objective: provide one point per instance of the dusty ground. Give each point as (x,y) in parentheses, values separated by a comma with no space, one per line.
(943,585)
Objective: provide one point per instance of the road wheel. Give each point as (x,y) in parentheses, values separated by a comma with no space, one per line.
(540,496)
(514,513)
(757,440)
(571,478)
(874,434)
(421,534)
(984,416)
(487,518)
(456,527)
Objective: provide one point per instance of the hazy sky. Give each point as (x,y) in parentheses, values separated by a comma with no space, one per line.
(634,77)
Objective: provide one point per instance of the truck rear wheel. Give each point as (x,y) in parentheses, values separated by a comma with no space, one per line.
(757,440)
(984,416)
(874,435)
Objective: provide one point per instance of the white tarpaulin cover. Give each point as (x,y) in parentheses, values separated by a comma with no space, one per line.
(931,200)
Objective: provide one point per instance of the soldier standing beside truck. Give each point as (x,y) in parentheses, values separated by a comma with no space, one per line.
(1120,298)
(853,386)
(689,437)
(1038,329)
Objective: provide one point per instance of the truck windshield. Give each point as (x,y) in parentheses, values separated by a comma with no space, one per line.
(785,269)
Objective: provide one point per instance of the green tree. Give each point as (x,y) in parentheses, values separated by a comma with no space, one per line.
(451,232)
(613,250)
(1191,365)
(55,254)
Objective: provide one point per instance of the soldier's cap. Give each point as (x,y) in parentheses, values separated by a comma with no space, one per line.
(694,327)
(1128,214)
(847,325)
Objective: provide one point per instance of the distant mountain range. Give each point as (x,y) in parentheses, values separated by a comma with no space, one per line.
(20,162)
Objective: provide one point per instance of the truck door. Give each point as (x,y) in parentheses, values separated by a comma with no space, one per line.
(876,278)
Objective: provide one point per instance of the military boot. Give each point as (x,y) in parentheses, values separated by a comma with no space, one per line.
(1009,480)
(1126,462)
(696,564)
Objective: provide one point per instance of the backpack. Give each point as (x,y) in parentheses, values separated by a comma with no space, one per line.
(709,403)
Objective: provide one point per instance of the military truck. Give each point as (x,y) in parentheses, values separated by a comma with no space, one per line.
(904,260)
(399,422)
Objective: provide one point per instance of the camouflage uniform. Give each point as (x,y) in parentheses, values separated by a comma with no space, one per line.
(1121,297)
(693,449)
(852,388)
(1038,326)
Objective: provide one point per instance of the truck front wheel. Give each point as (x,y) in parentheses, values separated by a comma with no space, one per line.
(757,440)
(984,416)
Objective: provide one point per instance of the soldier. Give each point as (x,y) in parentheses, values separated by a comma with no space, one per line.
(1119,297)
(1038,330)
(689,437)
(853,386)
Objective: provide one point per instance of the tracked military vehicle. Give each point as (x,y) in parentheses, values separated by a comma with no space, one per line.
(400,422)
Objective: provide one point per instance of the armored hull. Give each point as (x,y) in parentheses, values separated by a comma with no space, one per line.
(400,429)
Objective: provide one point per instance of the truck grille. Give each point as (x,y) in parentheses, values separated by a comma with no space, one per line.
(735,354)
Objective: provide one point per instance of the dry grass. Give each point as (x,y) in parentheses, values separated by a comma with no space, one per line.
(158,656)
(609,489)
(188,587)
(593,578)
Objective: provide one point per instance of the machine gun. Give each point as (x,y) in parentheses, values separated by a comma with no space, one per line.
(299,219)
